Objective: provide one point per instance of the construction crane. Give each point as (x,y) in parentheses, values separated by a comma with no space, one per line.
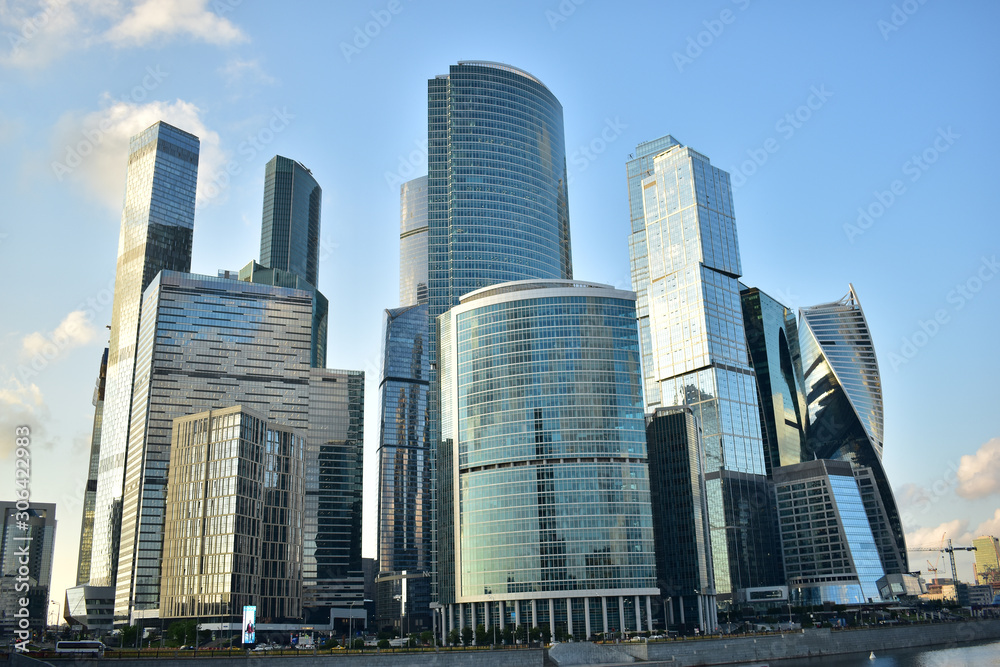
(950,550)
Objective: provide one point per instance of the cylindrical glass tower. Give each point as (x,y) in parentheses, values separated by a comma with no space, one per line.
(545,515)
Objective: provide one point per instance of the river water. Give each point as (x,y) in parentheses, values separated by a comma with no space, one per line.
(969,655)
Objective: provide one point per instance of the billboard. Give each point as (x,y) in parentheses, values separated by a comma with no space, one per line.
(249,625)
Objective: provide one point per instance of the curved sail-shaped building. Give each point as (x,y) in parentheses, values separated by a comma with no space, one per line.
(843,392)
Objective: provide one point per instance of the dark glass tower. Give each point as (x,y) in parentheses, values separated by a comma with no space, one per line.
(843,392)
(90,491)
(680,519)
(289,238)
(404,455)
(156,231)
(773,344)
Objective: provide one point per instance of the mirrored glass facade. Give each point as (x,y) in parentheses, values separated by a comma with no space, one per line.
(843,392)
(234,518)
(545,482)
(773,344)
(413,242)
(204,343)
(404,535)
(680,519)
(829,551)
(90,490)
(156,230)
(289,237)
(685,269)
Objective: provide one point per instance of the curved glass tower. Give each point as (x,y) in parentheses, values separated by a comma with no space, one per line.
(289,237)
(843,391)
(545,516)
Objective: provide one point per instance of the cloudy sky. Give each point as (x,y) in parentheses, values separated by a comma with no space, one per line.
(861,137)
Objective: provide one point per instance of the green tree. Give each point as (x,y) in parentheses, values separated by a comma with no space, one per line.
(508,635)
(482,637)
(535,633)
(383,643)
(521,633)
(467,636)
(453,637)
(426,637)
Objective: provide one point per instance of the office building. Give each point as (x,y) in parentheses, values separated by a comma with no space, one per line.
(987,560)
(680,520)
(156,230)
(204,343)
(333,578)
(404,456)
(497,201)
(829,551)
(545,516)
(685,269)
(234,518)
(90,490)
(289,238)
(90,607)
(773,344)
(413,242)
(843,392)
(30,539)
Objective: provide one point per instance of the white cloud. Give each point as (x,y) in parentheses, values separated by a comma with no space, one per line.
(40,32)
(20,405)
(75,330)
(238,71)
(157,19)
(91,150)
(979,473)
(957,530)
(990,526)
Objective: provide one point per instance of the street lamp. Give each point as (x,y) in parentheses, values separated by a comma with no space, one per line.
(53,602)
(350,635)
(399,597)
(492,624)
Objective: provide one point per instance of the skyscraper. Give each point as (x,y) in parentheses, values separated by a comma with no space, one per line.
(843,392)
(685,270)
(497,203)
(204,343)
(234,517)
(680,519)
(987,560)
(404,456)
(90,490)
(289,238)
(37,535)
(156,231)
(413,242)
(773,344)
(544,505)
(829,551)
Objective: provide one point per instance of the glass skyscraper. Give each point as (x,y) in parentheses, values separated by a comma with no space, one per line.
(204,343)
(544,505)
(773,343)
(37,534)
(843,393)
(234,518)
(156,231)
(404,456)
(90,490)
(413,242)
(685,270)
(829,551)
(289,238)
(680,519)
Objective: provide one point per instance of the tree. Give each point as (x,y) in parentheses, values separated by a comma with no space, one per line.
(535,633)
(383,643)
(482,637)
(521,633)
(358,643)
(453,637)
(546,635)
(508,635)
(467,636)
(426,637)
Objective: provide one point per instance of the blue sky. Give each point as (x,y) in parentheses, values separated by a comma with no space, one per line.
(861,137)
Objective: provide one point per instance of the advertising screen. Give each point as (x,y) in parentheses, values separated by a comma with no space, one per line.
(249,625)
